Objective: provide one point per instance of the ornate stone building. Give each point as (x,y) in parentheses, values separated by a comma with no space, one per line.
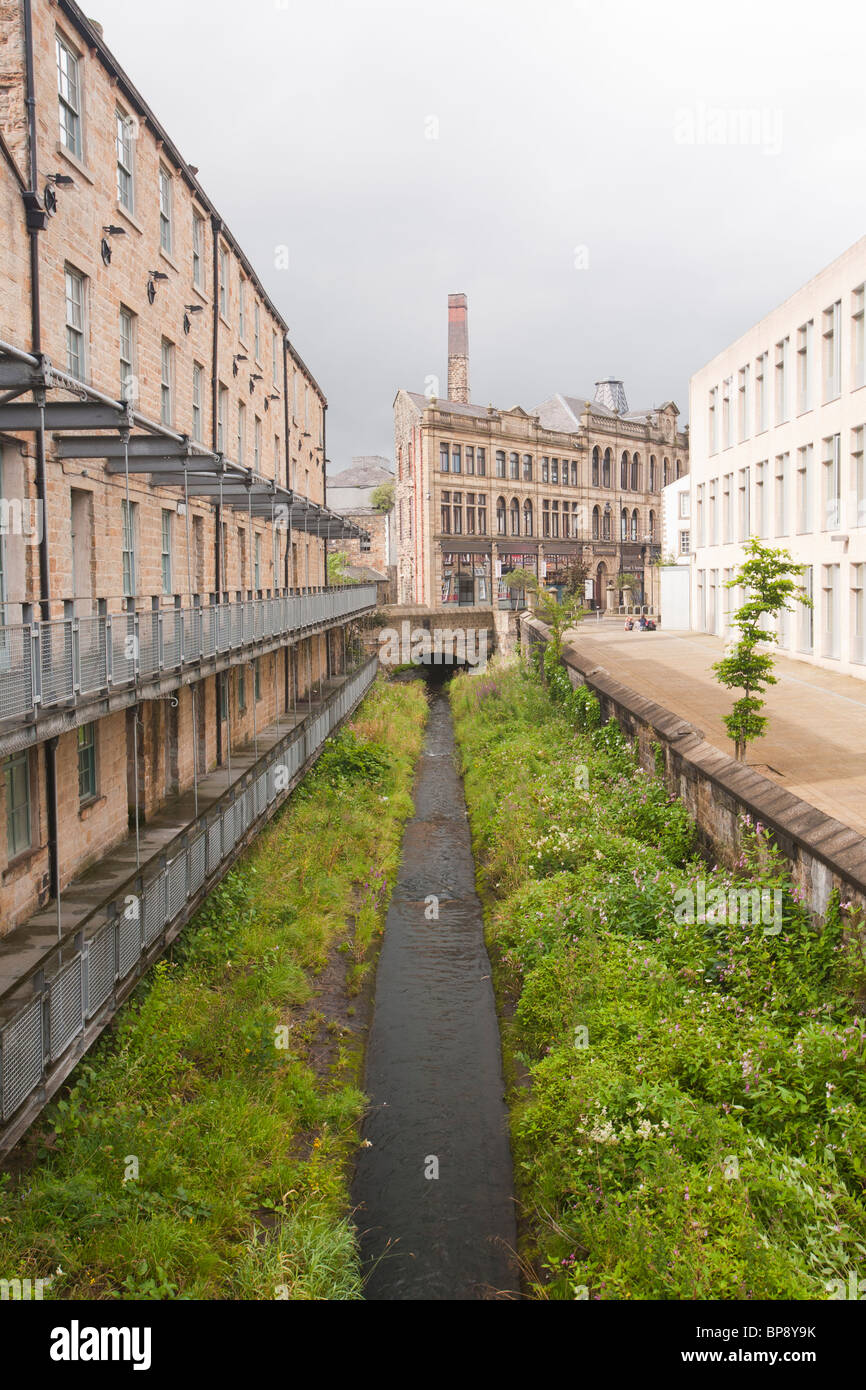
(483,491)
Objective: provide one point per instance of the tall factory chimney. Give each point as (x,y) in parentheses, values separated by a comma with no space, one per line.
(458,348)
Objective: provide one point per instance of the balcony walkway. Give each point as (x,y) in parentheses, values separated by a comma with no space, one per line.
(58,992)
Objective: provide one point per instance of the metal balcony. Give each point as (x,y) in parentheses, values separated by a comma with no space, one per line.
(55,665)
(60,1002)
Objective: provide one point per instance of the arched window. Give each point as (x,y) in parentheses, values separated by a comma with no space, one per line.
(595,520)
(514,510)
(635,473)
(652,526)
(666,473)
(527,468)
(679,468)
(634,524)
(500,516)
(605,470)
(652,476)
(623,471)
(596,463)
(527,518)
(605,524)
(623,525)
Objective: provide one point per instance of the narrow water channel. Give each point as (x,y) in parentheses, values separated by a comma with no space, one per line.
(434,1191)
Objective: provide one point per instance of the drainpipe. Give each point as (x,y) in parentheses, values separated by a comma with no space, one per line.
(216,228)
(35,224)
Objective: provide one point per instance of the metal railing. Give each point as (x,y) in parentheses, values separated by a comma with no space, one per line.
(44,665)
(108,948)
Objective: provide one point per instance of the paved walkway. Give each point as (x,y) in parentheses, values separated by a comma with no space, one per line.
(815,745)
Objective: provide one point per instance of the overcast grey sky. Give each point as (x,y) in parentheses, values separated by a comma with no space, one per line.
(577,190)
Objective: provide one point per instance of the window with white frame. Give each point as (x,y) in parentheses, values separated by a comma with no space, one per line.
(257,444)
(713,420)
(257,561)
(198,251)
(257,328)
(858,338)
(685,503)
(858,613)
(166,550)
(782,500)
(242,308)
(744,504)
(830,612)
(761,499)
(87,763)
(275,359)
(69,96)
(804,489)
(166,228)
(728,507)
(224,282)
(242,431)
(713,510)
(806,614)
(125,146)
(805,351)
(166,384)
(699,513)
(727,390)
(197,391)
(743,406)
(222,417)
(684,542)
(761,402)
(75,323)
(858,477)
(782,380)
(832,350)
(832,483)
(129,520)
(127,354)
(19,815)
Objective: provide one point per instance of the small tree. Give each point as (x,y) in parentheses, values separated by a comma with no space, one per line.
(337,571)
(768,577)
(558,616)
(382,497)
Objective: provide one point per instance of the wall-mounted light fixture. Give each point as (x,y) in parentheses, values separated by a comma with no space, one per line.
(49,196)
(187,310)
(105,244)
(153,276)
(256,376)
(238,357)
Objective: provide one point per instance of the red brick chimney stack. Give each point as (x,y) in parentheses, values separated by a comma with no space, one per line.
(458,348)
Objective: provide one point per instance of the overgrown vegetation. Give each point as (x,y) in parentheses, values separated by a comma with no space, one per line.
(202,1149)
(687,1095)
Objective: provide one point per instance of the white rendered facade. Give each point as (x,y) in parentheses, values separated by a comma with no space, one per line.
(778,451)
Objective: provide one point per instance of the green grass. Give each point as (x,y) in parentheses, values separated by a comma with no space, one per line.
(688,1099)
(241,1146)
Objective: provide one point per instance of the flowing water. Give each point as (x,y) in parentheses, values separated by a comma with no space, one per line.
(434,1189)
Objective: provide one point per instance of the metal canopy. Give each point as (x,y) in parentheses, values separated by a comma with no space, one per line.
(171,459)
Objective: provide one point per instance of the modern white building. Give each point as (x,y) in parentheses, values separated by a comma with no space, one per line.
(675,566)
(778,421)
